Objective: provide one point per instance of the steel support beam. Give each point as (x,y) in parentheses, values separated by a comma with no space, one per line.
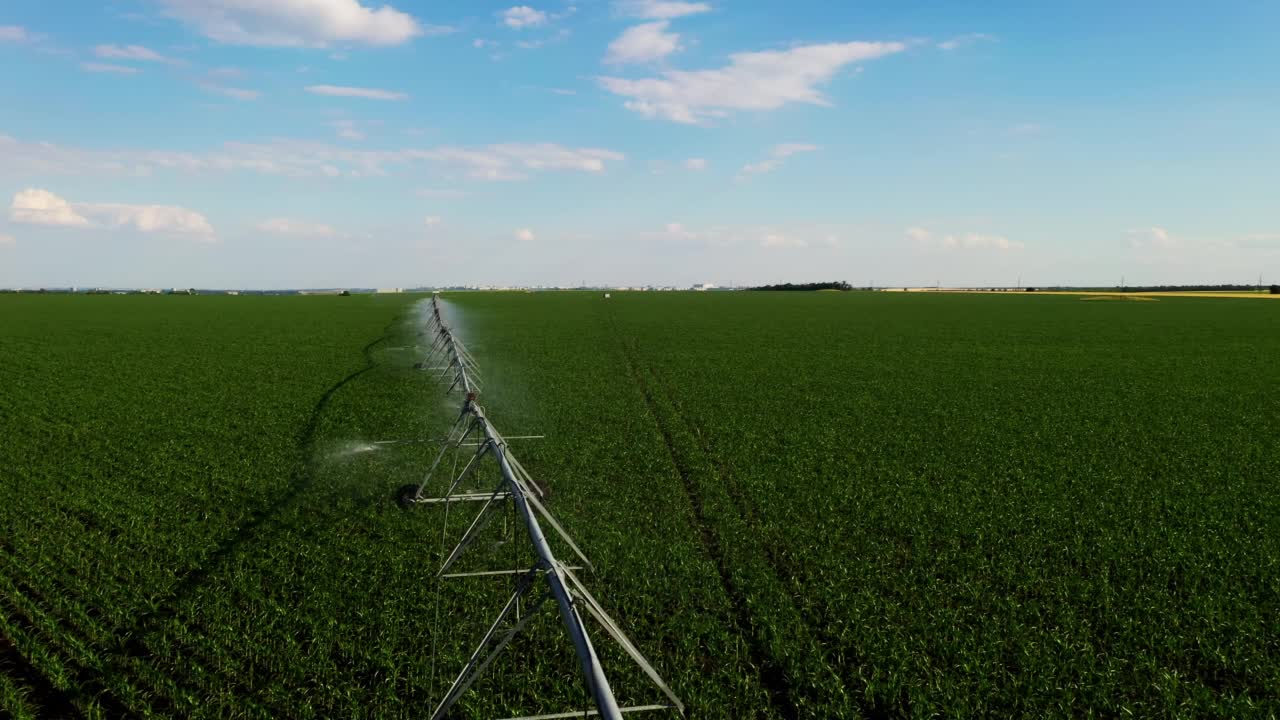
(518,486)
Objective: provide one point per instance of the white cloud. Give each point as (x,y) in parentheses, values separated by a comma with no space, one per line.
(1161,245)
(779,240)
(1156,238)
(661,9)
(563,91)
(479,165)
(979,241)
(643,43)
(678,231)
(7,240)
(507,161)
(960,41)
(295,228)
(483,44)
(108,68)
(347,130)
(431,220)
(760,168)
(367,93)
(559,37)
(523,16)
(151,218)
(919,234)
(41,207)
(752,81)
(226,73)
(14,33)
(768,237)
(231,92)
(132,52)
(525,235)
(696,164)
(777,156)
(786,150)
(926,239)
(542,157)
(510,161)
(297,23)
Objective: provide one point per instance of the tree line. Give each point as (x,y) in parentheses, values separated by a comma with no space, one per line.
(842,286)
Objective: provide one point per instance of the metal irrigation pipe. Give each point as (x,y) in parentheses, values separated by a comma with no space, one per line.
(592,672)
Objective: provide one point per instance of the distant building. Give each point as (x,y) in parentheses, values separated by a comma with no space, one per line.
(389,291)
(704,287)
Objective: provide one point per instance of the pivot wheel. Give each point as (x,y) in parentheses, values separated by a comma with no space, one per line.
(406,494)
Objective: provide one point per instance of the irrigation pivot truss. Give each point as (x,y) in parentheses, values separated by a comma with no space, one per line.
(548,578)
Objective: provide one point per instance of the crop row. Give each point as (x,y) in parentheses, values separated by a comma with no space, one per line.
(939,505)
(798,505)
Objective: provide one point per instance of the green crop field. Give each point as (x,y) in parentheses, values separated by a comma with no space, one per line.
(820,505)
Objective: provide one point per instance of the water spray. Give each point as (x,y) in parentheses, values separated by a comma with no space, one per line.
(548,578)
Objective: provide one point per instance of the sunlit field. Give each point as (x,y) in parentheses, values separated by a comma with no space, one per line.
(830,505)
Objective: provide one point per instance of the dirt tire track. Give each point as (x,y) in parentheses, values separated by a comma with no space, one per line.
(781,568)
(773,675)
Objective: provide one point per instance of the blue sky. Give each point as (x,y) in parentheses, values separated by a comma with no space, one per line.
(308,143)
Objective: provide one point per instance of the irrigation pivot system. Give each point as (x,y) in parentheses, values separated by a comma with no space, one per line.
(548,578)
